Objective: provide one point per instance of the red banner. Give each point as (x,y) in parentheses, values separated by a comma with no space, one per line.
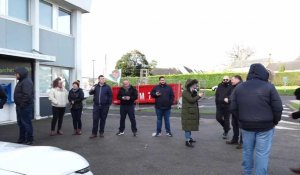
(144,96)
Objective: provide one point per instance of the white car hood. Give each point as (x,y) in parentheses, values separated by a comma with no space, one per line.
(39,160)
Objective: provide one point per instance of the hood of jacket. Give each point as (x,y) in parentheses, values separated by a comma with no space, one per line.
(22,71)
(190,82)
(258,71)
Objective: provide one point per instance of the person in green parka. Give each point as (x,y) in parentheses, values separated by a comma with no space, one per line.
(190,111)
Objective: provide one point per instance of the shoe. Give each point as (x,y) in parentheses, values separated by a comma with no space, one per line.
(134,134)
(79,132)
(157,134)
(93,136)
(29,142)
(189,144)
(232,142)
(192,140)
(52,133)
(74,132)
(169,134)
(101,135)
(225,135)
(20,141)
(120,133)
(59,132)
(295,170)
(240,146)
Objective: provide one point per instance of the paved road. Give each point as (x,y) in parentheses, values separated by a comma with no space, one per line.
(147,155)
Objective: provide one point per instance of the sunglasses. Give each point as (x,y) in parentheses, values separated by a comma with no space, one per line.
(225,79)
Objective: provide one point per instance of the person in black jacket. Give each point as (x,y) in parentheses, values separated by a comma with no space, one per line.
(102,101)
(236,138)
(23,97)
(3,97)
(127,95)
(258,106)
(222,103)
(164,97)
(75,98)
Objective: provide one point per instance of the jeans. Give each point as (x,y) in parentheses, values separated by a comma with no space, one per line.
(99,116)
(261,142)
(76,116)
(188,135)
(124,110)
(223,117)
(58,114)
(163,113)
(24,117)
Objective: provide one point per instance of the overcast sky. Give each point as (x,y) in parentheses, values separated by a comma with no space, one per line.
(195,33)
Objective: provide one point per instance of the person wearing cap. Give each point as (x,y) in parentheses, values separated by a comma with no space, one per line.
(23,98)
(75,98)
(190,111)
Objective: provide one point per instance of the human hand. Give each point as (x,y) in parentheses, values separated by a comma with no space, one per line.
(157,93)
(201,94)
(226,100)
(127,97)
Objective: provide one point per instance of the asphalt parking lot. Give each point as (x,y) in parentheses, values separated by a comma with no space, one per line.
(147,155)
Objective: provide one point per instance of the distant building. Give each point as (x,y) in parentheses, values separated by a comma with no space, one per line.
(165,71)
(290,66)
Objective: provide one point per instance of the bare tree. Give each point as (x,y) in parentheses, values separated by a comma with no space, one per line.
(239,54)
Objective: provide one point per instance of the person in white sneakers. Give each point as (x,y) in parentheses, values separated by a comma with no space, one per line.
(58,96)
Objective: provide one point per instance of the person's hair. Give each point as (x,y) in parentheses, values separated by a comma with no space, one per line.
(76,82)
(238,77)
(100,76)
(161,77)
(55,82)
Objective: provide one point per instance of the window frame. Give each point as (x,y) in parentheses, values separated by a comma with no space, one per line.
(4,13)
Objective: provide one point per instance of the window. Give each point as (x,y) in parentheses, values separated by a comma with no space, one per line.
(64,21)
(48,74)
(45,14)
(18,9)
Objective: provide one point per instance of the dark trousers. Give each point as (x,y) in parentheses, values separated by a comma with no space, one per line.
(99,115)
(124,110)
(24,117)
(58,114)
(223,117)
(76,116)
(235,128)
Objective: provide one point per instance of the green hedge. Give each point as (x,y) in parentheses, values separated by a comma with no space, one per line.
(208,80)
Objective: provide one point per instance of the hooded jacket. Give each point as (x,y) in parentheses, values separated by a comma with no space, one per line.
(190,111)
(256,102)
(165,100)
(23,94)
(3,97)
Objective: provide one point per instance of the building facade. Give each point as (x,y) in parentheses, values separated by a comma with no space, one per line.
(45,37)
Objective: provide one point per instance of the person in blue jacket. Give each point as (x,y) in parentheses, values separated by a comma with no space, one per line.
(102,101)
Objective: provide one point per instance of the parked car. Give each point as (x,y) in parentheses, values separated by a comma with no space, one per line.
(16,159)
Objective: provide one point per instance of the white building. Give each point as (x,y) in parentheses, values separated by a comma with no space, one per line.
(45,37)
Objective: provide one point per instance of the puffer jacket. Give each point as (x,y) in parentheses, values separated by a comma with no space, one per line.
(58,97)
(24,94)
(256,101)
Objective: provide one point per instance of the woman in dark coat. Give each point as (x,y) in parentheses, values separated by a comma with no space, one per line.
(76,97)
(190,111)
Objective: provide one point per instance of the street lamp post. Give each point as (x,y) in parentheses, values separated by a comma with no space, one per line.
(93,71)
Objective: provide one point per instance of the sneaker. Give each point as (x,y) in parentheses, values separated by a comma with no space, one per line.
(29,142)
(156,134)
(232,142)
(134,134)
(169,134)
(101,135)
(20,141)
(192,140)
(189,144)
(59,132)
(120,133)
